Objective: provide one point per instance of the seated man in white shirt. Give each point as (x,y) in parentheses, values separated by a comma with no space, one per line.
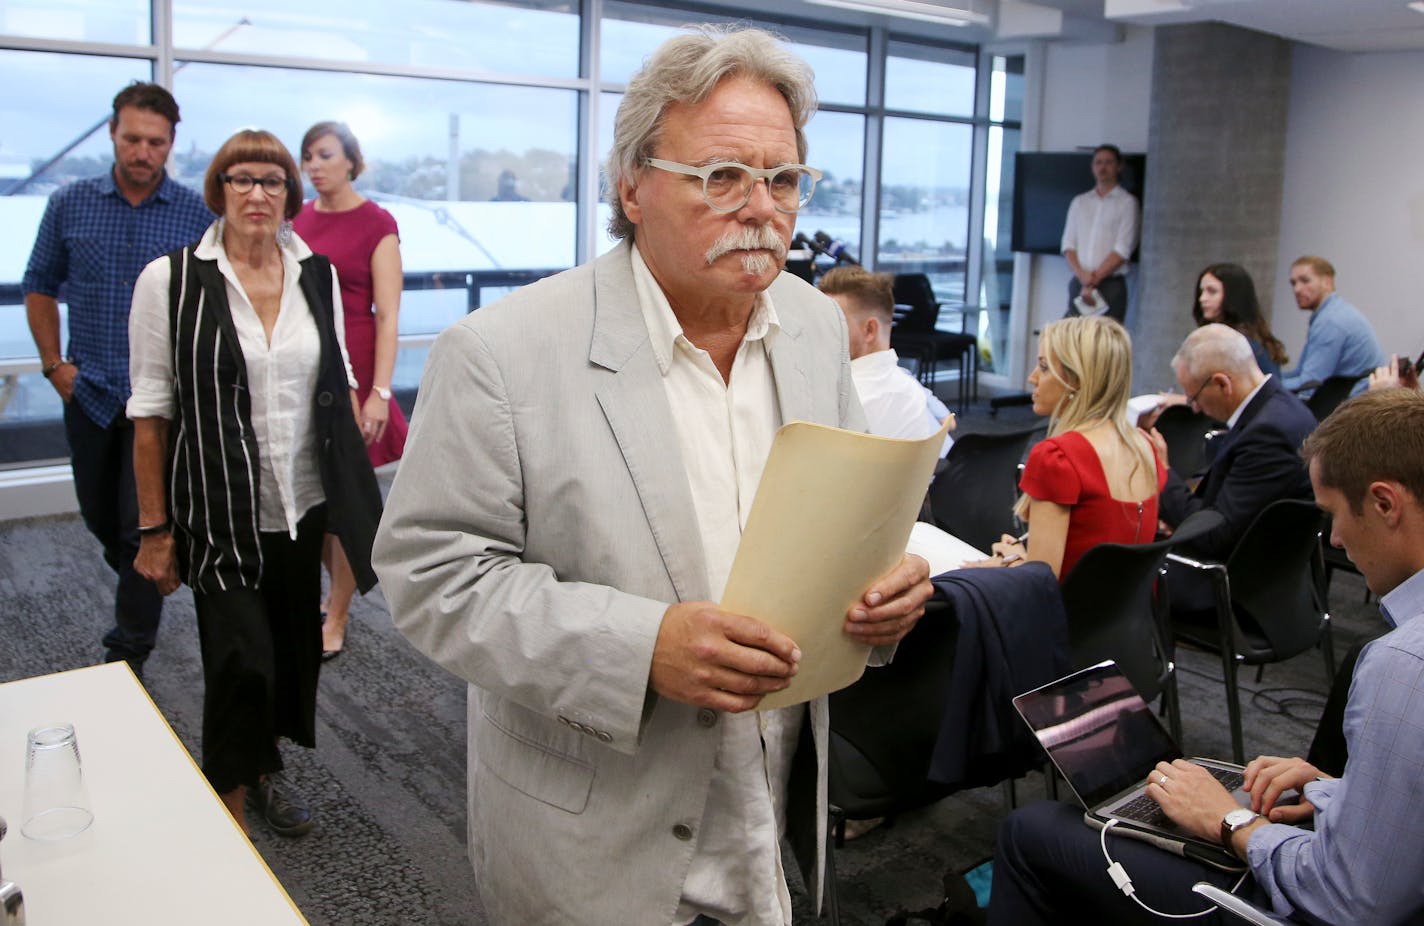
(895,404)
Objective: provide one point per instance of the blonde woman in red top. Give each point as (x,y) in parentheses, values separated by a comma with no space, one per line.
(1095,478)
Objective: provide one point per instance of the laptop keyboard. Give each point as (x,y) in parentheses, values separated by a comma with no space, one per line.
(1143,809)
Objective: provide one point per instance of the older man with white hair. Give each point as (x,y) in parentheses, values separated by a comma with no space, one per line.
(1256,462)
(583,458)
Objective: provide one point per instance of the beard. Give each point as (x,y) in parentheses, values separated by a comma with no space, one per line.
(138,175)
(753,241)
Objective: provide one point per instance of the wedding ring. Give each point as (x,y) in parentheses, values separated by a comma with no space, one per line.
(1162,781)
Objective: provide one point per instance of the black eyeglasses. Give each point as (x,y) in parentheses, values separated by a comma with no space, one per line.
(1192,401)
(243,184)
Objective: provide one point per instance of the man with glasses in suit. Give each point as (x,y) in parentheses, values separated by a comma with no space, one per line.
(1256,461)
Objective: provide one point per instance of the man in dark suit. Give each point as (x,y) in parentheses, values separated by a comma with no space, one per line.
(1257,461)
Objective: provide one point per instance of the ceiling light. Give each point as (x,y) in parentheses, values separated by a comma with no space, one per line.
(923,10)
(1417,6)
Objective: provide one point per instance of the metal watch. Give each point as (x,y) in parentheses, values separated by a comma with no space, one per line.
(1237,819)
(385,394)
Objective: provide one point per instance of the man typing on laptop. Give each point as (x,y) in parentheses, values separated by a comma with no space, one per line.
(1363,861)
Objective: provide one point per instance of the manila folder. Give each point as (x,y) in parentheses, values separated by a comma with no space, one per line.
(832,514)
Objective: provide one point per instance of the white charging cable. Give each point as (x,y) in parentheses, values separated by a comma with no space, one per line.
(1124,883)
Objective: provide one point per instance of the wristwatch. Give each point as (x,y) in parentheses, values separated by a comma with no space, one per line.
(1237,819)
(385,394)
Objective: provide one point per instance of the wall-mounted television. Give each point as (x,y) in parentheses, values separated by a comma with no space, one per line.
(1045,182)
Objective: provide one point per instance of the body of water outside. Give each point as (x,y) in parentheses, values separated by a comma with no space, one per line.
(452,236)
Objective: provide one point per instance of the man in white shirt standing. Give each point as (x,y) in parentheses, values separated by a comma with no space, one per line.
(895,404)
(1098,238)
(581,464)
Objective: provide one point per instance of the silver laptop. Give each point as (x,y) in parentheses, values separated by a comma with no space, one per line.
(1105,741)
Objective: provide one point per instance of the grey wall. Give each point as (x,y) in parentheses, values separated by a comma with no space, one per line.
(1216,161)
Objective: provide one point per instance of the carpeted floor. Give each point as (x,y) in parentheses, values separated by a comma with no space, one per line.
(387,779)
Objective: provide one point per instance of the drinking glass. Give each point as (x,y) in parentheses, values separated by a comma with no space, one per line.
(56,801)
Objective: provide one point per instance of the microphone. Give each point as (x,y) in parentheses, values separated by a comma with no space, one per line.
(834,248)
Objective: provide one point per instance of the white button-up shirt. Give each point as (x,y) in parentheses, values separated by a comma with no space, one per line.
(724,432)
(1099,225)
(895,403)
(281,374)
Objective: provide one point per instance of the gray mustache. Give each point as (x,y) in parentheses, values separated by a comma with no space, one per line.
(751,238)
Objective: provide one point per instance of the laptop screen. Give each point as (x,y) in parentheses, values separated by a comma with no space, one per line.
(1099,732)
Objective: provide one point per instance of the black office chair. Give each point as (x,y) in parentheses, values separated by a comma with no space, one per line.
(1116,611)
(1327,395)
(1269,600)
(973,495)
(1334,559)
(878,769)
(888,729)
(915,335)
(1186,432)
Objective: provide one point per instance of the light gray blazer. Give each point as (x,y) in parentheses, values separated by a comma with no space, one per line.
(539,526)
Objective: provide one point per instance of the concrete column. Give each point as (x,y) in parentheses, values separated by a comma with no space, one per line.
(1215,165)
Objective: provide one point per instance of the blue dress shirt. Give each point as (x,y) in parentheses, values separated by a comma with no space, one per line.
(1339,342)
(1364,863)
(90,248)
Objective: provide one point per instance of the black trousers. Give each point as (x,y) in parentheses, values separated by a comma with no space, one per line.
(1049,868)
(102,459)
(261,651)
(1113,290)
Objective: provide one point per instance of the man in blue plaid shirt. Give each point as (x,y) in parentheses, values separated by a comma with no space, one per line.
(96,235)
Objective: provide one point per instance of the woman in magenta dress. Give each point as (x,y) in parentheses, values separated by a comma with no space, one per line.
(361,240)
(1095,478)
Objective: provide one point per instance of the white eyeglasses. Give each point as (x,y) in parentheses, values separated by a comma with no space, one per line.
(727,186)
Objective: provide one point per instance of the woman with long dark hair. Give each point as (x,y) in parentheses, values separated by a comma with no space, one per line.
(1225,294)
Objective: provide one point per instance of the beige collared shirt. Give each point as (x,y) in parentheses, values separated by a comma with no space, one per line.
(724,433)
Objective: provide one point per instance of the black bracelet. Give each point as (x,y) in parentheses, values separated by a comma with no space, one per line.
(153,530)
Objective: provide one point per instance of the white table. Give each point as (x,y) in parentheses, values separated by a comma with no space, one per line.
(162,849)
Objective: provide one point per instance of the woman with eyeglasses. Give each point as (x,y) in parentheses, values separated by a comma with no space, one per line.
(246,452)
(1095,478)
(362,242)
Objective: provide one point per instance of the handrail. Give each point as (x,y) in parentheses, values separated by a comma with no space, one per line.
(472,281)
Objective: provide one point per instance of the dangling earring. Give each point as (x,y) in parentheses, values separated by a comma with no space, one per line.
(285,233)
(222,226)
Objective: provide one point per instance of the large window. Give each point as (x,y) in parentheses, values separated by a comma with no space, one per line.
(116,21)
(529,38)
(468,112)
(929,79)
(62,103)
(835,144)
(996,283)
(630,32)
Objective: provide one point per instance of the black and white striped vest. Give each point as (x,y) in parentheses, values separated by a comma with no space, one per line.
(214,468)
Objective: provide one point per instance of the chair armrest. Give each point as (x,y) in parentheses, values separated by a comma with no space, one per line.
(1195,563)
(1242,909)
